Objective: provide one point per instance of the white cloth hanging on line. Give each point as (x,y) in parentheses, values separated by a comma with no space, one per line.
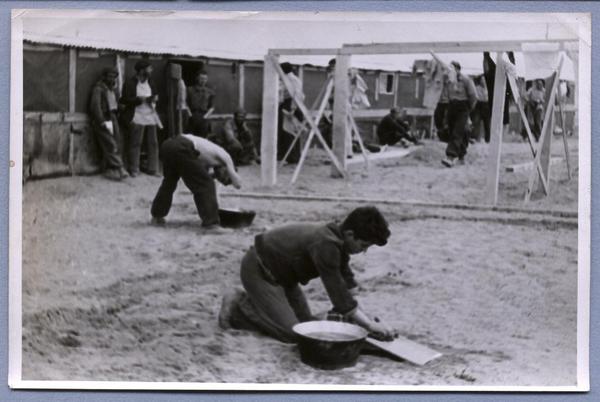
(541,59)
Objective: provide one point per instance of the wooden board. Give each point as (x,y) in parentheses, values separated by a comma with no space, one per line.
(520,167)
(390,153)
(408,350)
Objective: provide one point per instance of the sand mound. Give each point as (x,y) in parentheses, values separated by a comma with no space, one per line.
(429,154)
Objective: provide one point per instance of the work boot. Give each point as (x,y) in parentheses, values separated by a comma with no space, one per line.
(228,303)
(123,173)
(448,162)
(112,174)
(158,221)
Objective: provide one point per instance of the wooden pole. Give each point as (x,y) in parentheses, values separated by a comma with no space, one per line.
(340,111)
(308,117)
(72,78)
(120,66)
(72,88)
(530,137)
(563,127)
(495,150)
(241,84)
(268,143)
(543,152)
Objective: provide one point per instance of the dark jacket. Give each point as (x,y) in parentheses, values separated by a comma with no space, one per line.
(389,127)
(129,99)
(99,108)
(298,253)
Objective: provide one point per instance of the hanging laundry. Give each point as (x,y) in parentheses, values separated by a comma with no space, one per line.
(540,59)
(434,82)
(358,91)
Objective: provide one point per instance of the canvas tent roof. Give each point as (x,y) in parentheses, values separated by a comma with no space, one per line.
(249,35)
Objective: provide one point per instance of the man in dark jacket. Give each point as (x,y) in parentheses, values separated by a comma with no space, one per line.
(285,257)
(103,116)
(200,99)
(138,98)
(463,98)
(392,128)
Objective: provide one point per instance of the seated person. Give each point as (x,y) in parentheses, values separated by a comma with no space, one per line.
(192,159)
(236,138)
(393,128)
(285,257)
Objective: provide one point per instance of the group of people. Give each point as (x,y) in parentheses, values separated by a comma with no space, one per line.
(135,111)
(464,105)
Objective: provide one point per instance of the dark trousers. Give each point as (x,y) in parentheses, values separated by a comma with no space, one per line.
(136,138)
(440,121)
(481,115)
(458,114)
(180,160)
(110,144)
(198,125)
(535,116)
(267,306)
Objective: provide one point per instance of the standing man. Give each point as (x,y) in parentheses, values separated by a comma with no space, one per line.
(138,98)
(236,138)
(192,158)
(463,98)
(103,114)
(535,107)
(200,99)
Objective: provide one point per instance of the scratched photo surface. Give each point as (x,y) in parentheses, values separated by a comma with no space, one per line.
(463,130)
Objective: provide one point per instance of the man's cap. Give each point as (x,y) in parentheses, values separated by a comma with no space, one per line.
(141,64)
(110,71)
(394,110)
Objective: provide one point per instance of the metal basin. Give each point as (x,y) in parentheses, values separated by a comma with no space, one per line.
(329,345)
(236,218)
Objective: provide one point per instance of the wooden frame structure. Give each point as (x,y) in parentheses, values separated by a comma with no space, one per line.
(341,107)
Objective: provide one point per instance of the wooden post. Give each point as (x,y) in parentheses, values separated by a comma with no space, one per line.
(241,85)
(174,118)
(547,131)
(268,143)
(496,129)
(72,87)
(543,152)
(340,111)
(395,86)
(120,66)
(72,78)
(301,75)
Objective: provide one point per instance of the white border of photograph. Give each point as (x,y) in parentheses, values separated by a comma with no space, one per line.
(15,205)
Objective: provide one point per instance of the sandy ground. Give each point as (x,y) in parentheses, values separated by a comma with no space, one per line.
(106,296)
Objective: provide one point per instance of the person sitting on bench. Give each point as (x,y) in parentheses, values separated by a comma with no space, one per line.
(285,257)
(236,138)
(393,129)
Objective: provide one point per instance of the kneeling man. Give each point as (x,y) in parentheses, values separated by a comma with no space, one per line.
(285,257)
